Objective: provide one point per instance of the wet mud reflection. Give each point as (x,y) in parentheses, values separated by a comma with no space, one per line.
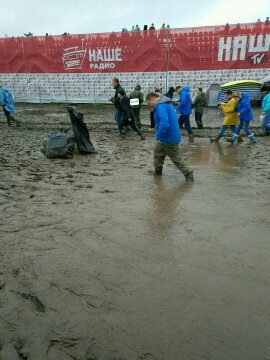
(102,260)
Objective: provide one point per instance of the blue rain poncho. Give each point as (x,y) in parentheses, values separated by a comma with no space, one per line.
(6,100)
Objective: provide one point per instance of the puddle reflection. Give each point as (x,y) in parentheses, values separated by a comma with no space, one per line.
(170,193)
(164,212)
(217,154)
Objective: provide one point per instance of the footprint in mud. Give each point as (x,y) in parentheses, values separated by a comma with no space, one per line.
(36,302)
(55,353)
(107,191)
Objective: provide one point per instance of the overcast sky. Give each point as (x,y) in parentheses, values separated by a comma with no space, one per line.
(89,16)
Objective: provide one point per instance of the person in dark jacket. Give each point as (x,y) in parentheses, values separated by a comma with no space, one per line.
(152,120)
(128,115)
(245,114)
(184,108)
(170,93)
(198,105)
(178,90)
(116,101)
(137,94)
(168,135)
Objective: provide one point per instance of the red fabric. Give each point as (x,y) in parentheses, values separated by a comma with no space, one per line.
(142,51)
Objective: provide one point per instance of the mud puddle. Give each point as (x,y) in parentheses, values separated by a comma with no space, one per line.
(101,260)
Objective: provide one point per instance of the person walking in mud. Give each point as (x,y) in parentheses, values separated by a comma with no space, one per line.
(198,106)
(116,101)
(231,118)
(128,115)
(168,135)
(136,94)
(184,108)
(7,103)
(245,115)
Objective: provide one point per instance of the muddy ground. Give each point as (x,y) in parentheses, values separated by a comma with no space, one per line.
(101,260)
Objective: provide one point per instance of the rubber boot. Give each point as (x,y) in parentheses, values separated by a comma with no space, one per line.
(191,138)
(158,172)
(15,120)
(9,121)
(199,124)
(122,133)
(252,138)
(189,176)
(216,138)
(233,138)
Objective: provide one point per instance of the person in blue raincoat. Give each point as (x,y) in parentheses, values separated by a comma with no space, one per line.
(7,103)
(168,135)
(245,114)
(184,108)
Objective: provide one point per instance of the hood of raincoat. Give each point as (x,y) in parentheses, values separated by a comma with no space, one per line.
(184,107)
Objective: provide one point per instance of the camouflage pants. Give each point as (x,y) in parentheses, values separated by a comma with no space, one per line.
(172,150)
(136,112)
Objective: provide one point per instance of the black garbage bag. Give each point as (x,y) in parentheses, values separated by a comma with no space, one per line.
(81,133)
(58,145)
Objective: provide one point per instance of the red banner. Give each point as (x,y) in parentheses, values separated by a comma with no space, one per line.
(241,46)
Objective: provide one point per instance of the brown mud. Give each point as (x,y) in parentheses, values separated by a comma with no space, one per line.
(101,260)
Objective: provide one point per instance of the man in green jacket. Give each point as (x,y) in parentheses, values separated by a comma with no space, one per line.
(137,94)
(198,105)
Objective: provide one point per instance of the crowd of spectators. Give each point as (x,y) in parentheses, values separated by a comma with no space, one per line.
(145,27)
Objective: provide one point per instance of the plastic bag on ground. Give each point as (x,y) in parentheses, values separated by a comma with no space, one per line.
(58,145)
(81,133)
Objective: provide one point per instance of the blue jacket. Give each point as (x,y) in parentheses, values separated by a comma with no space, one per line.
(184,107)
(6,100)
(266,103)
(166,122)
(244,108)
